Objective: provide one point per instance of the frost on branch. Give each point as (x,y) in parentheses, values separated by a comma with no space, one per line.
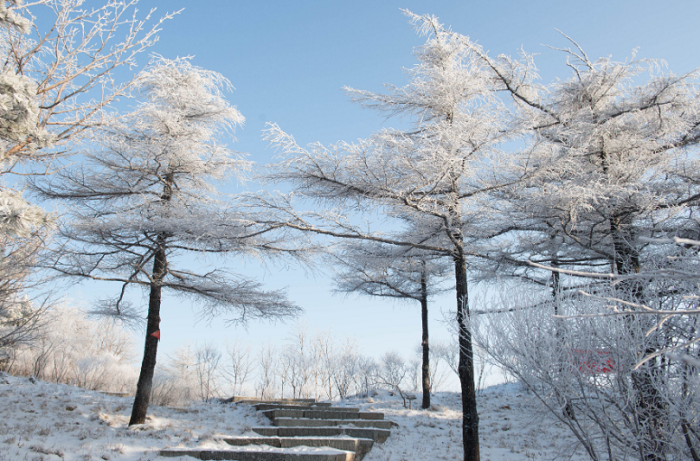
(19,111)
(9,16)
(582,369)
(149,188)
(57,83)
(24,229)
(19,106)
(19,218)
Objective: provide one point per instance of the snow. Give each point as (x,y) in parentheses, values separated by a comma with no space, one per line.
(42,421)
(511,427)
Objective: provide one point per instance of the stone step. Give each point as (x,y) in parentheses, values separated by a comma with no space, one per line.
(297,422)
(327,454)
(238,398)
(359,446)
(273,406)
(378,435)
(253,401)
(326,413)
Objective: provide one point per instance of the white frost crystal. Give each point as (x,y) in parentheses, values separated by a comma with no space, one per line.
(19,111)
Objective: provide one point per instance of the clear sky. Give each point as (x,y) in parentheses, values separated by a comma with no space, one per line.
(289,60)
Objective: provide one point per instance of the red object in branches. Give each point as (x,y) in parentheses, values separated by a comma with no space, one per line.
(156,334)
(592,362)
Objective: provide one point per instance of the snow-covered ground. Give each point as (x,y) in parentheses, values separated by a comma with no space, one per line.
(510,428)
(42,421)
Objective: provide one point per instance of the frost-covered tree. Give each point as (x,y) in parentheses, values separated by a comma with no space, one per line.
(585,374)
(57,83)
(392,373)
(24,229)
(376,269)
(346,368)
(431,175)
(208,372)
(19,112)
(266,384)
(10,18)
(238,366)
(75,349)
(145,195)
(19,108)
(617,143)
(298,364)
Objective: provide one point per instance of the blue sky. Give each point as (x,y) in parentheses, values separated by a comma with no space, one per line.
(289,60)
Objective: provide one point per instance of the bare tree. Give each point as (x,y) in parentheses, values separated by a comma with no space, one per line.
(207,363)
(346,368)
(74,349)
(324,353)
(366,374)
(297,357)
(239,366)
(437,374)
(312,364)
(267,359)
(392,372)
(146,195)
(176,382)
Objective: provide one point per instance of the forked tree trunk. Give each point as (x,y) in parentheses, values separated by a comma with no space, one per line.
(148,366)
(470,417)
(425,343)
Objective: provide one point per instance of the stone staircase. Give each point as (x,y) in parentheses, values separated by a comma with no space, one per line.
(302,430)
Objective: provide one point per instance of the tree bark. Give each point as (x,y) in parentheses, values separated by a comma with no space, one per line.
(651,409)
(425,343)
(556,286)
(148,365)
(470,417)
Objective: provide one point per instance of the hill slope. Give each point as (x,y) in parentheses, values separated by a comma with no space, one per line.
(42,422)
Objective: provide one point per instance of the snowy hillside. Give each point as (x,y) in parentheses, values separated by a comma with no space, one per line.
(42,421)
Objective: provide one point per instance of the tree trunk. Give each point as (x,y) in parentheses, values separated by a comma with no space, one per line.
(425,343)
(470,417)
(148,366)
(651,409)
(556,287)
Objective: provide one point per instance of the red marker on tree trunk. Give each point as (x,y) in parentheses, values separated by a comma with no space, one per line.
(156,334)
